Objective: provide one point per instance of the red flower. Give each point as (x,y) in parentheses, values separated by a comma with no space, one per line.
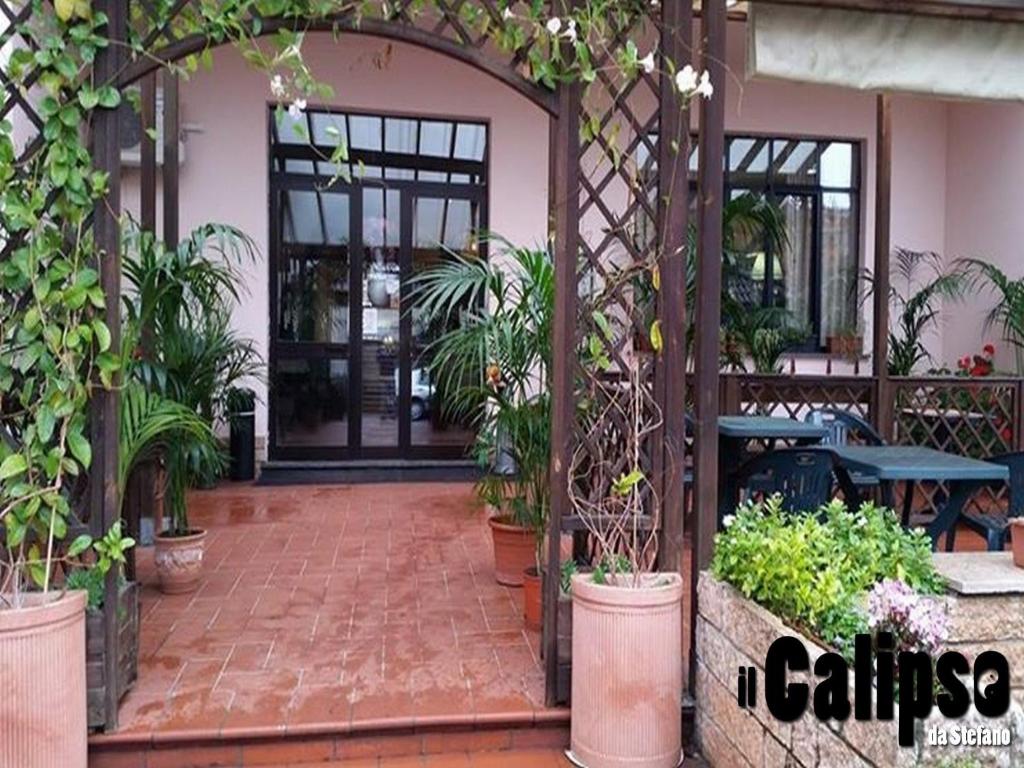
(964,363)
(989,350)
(1007,435)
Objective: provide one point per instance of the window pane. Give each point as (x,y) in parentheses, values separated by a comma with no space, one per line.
(748,161)
(328,129)
(436,138)
(470,141)
(793,268)
(837,165)
(365,132)
(400,136)
(838,265)
(313,300)
(311,402)
(314,218)
(795,161)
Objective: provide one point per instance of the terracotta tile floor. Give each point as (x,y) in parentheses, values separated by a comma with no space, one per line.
(357,606)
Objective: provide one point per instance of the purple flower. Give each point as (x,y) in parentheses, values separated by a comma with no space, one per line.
(917,622)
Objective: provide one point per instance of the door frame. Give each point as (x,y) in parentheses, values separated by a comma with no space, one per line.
(281,181)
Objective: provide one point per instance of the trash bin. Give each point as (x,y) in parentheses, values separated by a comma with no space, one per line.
(242,421)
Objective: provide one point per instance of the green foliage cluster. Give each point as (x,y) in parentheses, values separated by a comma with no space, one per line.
(55,348)
(815,570)
(494,357)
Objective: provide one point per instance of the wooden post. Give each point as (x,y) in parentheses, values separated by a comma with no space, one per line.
(104,508)
(673,214)
(148,154)
(172,130)
(565,205)
(709,299)
(882,416)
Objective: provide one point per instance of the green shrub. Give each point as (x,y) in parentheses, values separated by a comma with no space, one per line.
(814,570)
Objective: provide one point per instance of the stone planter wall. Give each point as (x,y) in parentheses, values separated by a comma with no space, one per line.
(733,632)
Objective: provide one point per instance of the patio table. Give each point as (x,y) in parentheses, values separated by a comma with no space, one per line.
(910,463)
(736,432)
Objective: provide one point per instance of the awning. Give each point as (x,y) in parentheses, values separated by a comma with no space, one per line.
(890,52)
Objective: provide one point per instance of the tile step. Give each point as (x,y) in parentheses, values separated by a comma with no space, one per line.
(340,747)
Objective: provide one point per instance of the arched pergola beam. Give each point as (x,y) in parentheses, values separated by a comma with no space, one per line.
(474,57)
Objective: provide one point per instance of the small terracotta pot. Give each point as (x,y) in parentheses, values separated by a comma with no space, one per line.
(513,550)
(42,665)
(627,672)
(179,561)
(533,610)
(1017,540)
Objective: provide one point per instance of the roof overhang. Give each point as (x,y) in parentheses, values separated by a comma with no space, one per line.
(930,47)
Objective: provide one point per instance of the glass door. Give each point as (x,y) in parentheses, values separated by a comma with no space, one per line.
(311,317)
(380,292)
(441,225)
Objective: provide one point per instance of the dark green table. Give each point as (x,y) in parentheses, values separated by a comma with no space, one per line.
(735,433)
(909,463)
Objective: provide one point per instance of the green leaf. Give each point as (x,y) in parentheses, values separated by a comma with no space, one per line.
(656,340)
(13,465)
(102,334)
(626,483)
(79,545)
(45,421)
(65,9)
(80,448)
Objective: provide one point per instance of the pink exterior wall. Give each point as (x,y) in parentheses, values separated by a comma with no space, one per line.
(985,161)
(224,177)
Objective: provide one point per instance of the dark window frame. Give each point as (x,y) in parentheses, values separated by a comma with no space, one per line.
(475,188)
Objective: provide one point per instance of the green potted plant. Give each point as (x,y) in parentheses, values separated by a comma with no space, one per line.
(153,425)
(493,357)
(916,302)
(185,360)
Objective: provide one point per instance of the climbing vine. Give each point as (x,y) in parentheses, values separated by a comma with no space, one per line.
(55,349)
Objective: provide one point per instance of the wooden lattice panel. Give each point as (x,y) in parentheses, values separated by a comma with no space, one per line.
(618,201)
(974,417)
(796,396)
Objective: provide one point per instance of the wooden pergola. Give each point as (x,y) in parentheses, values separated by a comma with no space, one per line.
(577,195)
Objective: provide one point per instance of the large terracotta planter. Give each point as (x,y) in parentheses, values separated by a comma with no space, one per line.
(1017,540)
(179,561)
(513,550)
(627,673)
(533,608)
(42,666)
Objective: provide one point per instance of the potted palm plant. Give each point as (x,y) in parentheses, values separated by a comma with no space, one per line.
(493,356)
(186,359)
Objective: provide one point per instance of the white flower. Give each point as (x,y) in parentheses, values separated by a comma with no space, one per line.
(507,14)
(277,86)
(570,30)
(728,520)
(686,79)
(554,25)
(296,108)
(647,62)
(705,88)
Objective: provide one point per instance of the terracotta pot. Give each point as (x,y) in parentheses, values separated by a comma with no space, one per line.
(627,672)
(513,550)
(42,665)
(179,561)
(533,607)
(1017,540)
